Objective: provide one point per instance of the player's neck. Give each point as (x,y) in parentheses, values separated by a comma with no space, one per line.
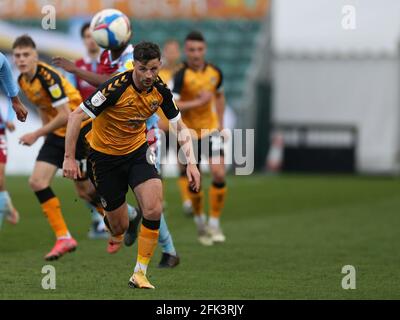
(31,74)
(116,53)
(93,55)
(197,67)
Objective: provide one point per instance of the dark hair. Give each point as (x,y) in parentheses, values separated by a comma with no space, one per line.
(195,36)
(24,41)
(146,51)
(171,41)
(84,28)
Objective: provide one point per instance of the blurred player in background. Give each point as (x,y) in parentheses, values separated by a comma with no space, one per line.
(113,62)
(10,88)
(199,94)
(119,150)
(90,62)
(55,98)
(171,63)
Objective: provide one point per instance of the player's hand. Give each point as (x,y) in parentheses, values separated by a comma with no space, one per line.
(20,109)
(10,126)
(204,97)
(28,139)
(193,175)
(65,64)
(71,169)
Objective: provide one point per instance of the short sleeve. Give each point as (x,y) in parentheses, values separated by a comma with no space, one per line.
(106,95)
(52,84)
(168,104)
(177,83)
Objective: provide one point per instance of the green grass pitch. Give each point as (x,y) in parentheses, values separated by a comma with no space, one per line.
(288,237)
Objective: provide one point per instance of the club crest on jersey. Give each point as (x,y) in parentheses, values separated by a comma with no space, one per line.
(214,80)
(55,91)
(98,99)
(154,105)
(103,202)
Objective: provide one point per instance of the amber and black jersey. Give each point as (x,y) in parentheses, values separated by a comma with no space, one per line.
(120,111)
(188,84)
(48,90)
(166,75)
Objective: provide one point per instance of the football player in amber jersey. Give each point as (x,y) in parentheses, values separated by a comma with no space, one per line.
(113,62)
(199,94)
(119,156)
(55,98)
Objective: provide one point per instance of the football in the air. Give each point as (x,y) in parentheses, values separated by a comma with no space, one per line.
(110,28)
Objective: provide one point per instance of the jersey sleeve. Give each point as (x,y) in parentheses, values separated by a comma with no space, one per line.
(168,104)
(7,82)
(177,83)
(52,84)
(107,95)
(219,87)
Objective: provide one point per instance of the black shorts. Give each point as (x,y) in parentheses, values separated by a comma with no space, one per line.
(111,175)
(209,146)
(53,149)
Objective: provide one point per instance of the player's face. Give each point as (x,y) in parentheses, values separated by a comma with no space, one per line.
(25,59)
(195,52)
(172,52)
(146,74)
(89,42)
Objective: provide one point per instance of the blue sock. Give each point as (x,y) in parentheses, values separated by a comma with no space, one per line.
(131,212)
(96,217)
(3,205)
(165,239)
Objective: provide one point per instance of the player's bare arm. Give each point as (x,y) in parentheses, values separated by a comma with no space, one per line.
(19,109)
(70,167)
(94,79)
(203,98)
(58,121)
(220,108)
(185,141)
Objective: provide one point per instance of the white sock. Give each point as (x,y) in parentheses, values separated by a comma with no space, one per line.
(132,213)
(213,222)
(200,220)
(67,236)
(140,266)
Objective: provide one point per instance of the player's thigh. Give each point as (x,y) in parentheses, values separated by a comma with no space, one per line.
(149,197)
(43,173)
(109,175)
(217,169)
(85,189)
(52,151)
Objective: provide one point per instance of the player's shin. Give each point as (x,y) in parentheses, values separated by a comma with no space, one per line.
(197,199)
(52,210)
(147,243)
(217,195)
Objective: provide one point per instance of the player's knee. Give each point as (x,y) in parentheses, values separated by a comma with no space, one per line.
(82,193)
(37,184)
(153,211)
(219,176)
(118,226)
